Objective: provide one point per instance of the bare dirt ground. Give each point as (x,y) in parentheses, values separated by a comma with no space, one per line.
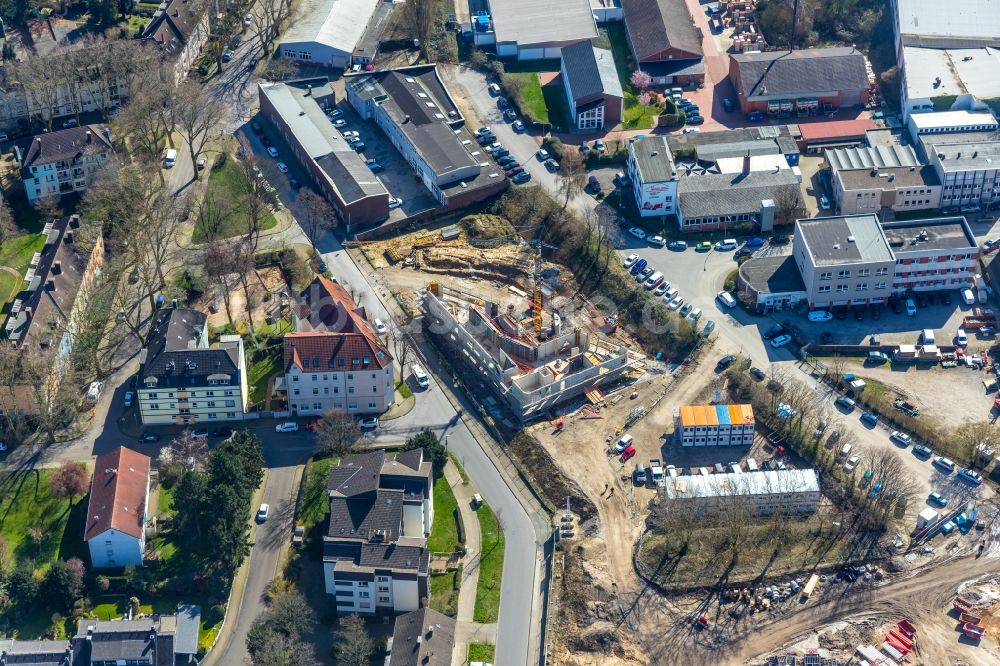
(267,280)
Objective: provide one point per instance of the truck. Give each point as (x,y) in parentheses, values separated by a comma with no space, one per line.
(906,407)
(905,353)
(656,473)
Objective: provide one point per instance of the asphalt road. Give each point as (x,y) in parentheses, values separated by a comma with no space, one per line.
(518,622)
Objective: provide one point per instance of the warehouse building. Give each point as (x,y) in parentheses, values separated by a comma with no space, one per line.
(531,30)
(664,41)
(810,80)
(716,425)
(781,492)
(326,32)
(296,109)
(952,122)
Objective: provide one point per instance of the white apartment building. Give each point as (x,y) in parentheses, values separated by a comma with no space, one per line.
(716,425)
(969,174)
(65,161)
(654,178)
(180,29)
(769,492)
(374,553)
(335,360)
(183,381)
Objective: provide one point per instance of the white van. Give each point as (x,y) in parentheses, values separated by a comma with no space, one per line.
(844,452)
(623,443)
(726,244)
(967,297)
(927,336)
(420,376)
(170,158)
(726,299)
(752,465)
(653,280)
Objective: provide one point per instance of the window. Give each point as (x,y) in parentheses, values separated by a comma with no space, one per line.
(350,376)
(371,405)
(315,391)
(880,285)
(211,403)
(824,289)
(228,393)
(864,272)
(295,378)
(350,389)
(862,286)
(231,415)
(296,391)
(314,377)
(844,274)
(213,415)
(151,396)
(841,288)
(318,406)
(826,276)
(230,403)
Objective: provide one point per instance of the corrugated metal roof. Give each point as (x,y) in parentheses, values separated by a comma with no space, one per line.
(528,22)
(868,157)
(766,482)
(338,24)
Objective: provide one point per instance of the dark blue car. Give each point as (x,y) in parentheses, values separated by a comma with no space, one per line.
(638,266)
(756,241)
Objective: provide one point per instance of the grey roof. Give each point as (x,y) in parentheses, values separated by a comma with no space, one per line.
(943,233)
(174,359)
(866,157)
(681,141)
(346,171)
(665,68)
(805,73)
(405,555)
(367,517)
(358,475)
(977,156)
(844,240)
(413,459)
(590,72)
(421,108)
(529,22)
(67,144)
(716,151)
(657,25)
(889,178)
(653,158)
(186,632)
(337,24)
(936,22)
(927,141)
(772,275)
(712,195)
(35,653)
(422,637)
(936,72)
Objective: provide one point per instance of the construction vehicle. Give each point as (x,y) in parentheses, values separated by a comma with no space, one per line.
(906,407)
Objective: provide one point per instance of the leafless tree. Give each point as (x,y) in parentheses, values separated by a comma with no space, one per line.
(8,229)
(197,117)
(572,175)
(254,197)
(315,215)
(420,15)
(788,205)
(280,69)
(212,211)
(336,433)
(221,268)
(972,443)
(189,450)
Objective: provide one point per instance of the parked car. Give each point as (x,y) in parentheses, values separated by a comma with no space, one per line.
(228,55)
(695,120)
(901,437)
(658,241)
(922,451)
(757,374)
(129,395)
(779,239)
(685,309)
(630,260)
(522,177)
(845,402)
(513,171)
(704,246)
(148,438)
(542,155)
(869,419)
(773,332)
(725,362)
(662,289)
(272,151)
(380,326)
(551,165)
(287,426)
(638,233)
(627,455)
(333,114)
(368,423)
(282,167)
(510,115)
(224,432)
(820,315)
(502,103)
(494,89)
(644,273)
(781,341)
(824,203)
(262,513)
(677,246)
(756,241)
(709,327)
(851,463)
(506,160)
(676,303)
(395,202)
(199,434)
(967,474)
(938,499)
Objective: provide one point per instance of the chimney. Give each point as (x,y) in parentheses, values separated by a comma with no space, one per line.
(89,136)
(746,164)
(57,268)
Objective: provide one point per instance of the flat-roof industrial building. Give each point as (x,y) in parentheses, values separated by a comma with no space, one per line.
(531,30)
(326,32)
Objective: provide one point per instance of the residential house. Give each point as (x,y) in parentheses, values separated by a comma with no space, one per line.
(116,515)
(786,492)
(184,381)
(45,314)
(335,360)
(65,161)
(716,425)
(422,637)
(665,42)
(593,91)
(180,29)
(375,556)
(810,80)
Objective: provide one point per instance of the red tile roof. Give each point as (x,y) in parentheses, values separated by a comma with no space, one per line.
(326,306)
(118,493)
(835,129)
(314,350)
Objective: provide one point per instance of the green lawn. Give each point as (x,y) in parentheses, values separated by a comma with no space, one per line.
(113,607)
(404,389)
(165,502)
(482,652)
(444,595)
(26,503)
(534,100)
(10,286)
(17,252)
(490,566)
(636,116)
(315,502)
(444,532)
(259,374)
(229,180)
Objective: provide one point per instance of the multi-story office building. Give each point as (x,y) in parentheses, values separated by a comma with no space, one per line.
(184,381)
(782,492)
(932,254)
(716,425)
(654,178)
(66,161)
(375,556)
(868,179)
(969,174)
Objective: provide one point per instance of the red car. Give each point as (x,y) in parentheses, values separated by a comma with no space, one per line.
(312,425)
(627,454)
(513,172)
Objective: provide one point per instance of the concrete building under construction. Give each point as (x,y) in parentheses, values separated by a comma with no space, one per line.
(531,368)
